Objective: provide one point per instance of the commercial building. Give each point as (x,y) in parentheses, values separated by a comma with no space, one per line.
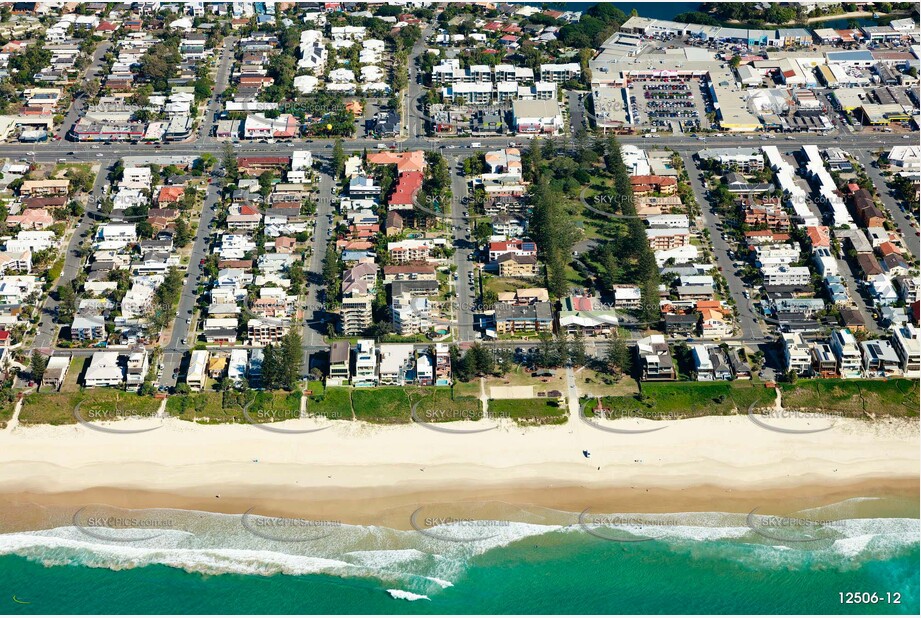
(542,117)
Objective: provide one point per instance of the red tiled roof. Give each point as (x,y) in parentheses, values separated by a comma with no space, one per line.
(408,185)
(653,180)
(818,235)
(582,303)
(170,194)
(887,248)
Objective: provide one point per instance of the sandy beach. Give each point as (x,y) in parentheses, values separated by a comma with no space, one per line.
(364,474)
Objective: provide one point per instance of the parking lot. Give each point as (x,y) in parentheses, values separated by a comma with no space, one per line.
(679,106)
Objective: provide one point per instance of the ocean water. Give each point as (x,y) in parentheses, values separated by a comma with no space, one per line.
(682,563)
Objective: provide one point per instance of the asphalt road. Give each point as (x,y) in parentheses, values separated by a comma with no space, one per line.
(747,317)
(47,328)
(414,118)
(181,339)
(176,349)
(73,263)
(314,325)
(222,78)
(79,105)
(84,152)
(576,112)
(461,228)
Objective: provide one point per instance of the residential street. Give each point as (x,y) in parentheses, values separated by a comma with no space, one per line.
(79,105)
(221,80)
(73,263)
(910,233)
(461,228)
(180,342)
(748,319)
(314,326)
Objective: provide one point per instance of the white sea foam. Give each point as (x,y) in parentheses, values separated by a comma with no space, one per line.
(407,596)
(215,544)
(386,558)
(441,582)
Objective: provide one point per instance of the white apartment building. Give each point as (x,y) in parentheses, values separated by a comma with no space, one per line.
(137,301)
(559,73)
(396,362)
(198,367)
(262,331)
(31,240)
(409,250)
(313,52)
(104,370)
(670,220)
(355,313)
(365,363)
(236,366)
(775,255)
(743,159)
(786,275)
(847,353)
(138,363)
(797,354)
(117,232)
(411,315)
(906,344)
(135,178)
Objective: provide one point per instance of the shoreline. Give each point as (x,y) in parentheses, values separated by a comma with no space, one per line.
(33,511)
(363,474)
